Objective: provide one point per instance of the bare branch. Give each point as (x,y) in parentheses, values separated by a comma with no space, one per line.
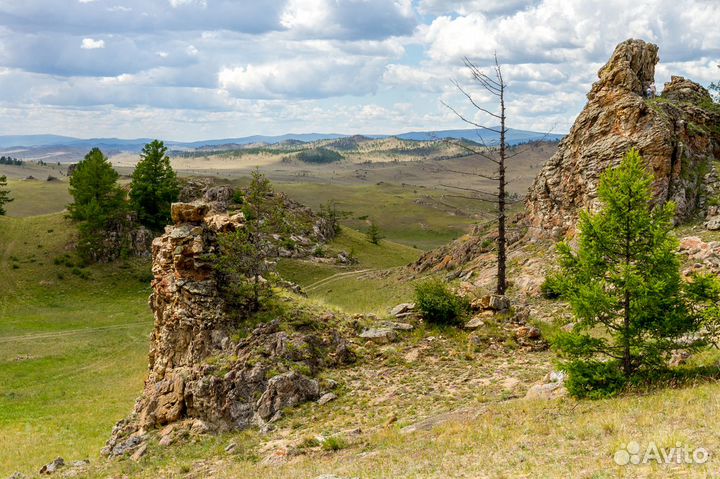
(472,100)
(469,122)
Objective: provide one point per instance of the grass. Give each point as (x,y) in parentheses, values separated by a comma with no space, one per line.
(72,350)
(406,214)
(356,289)
(37,197)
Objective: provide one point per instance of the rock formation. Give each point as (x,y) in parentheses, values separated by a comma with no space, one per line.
(201,373)
(676,133)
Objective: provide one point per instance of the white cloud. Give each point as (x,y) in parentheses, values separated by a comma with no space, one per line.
(92,44)
(183,3)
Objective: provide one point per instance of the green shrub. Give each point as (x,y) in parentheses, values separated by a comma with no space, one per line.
(238,197)
(319,155)
(551,287)
(594,379)
(438,304)
(334,443)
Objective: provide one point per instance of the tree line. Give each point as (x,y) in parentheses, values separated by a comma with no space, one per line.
(7,160)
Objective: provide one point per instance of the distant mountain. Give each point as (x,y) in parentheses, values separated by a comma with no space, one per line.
(512,137)
(32,141)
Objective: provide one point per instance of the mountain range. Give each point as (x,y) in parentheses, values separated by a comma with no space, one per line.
(513,137)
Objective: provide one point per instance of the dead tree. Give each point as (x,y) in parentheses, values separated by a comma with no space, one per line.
(497,154)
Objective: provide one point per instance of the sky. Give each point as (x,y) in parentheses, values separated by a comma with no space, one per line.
(202,69)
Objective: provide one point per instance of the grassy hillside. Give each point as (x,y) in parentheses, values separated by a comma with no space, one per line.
(356,289)
(73,345)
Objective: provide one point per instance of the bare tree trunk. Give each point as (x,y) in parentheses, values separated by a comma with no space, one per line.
(501,241)
(496,154)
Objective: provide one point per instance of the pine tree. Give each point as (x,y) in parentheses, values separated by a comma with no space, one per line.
(154,186)
(99,202)
(4,195)
(244,263)
(373,233)
(623,284)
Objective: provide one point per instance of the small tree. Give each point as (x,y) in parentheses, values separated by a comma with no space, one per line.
(154,186)
(244,263)
(623,284)
(98,204)
(4,195)
(330,216)
(373,233)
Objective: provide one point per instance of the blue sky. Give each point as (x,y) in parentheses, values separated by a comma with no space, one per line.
(198,69)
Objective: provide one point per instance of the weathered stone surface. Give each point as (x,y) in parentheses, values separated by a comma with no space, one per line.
(198,375)
(713,223)
(188,212)
(326,398)
(675,135)
(552,387)
(402,308)
(53,467)
(286,390)
(380,335)
(706,255)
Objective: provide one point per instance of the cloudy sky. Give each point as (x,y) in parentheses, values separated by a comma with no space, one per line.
(199,69)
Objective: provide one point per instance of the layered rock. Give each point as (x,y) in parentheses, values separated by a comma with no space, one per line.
(677,134)
(197,371)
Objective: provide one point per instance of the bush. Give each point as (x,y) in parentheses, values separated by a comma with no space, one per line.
(438,304)
(319,155)
(594,379)
(551,287)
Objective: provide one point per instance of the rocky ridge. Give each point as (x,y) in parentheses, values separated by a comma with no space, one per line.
(677,133)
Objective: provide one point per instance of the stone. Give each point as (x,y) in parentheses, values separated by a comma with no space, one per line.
(326,398)
(230,448)
(477,321)
(675,136)
(397,326)
(166,440)
(497,302)
(713,224)
(434,421)
(18,475)
(188,212)
(53,467)
(678,358)
(552,387)
(380,335)
(528,332)
(286,390)
(139,452)
(402,308)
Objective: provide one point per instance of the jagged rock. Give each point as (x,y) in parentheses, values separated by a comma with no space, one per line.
(705,255)
(527,332)
(552,387)
(713,224)
(397,326)
(18,475)
(139,452)
(477,321)
(402,309)
(379,335)
(199,376)
(188,212)
(674,134)
(53,467)
(326,398)
(286,390)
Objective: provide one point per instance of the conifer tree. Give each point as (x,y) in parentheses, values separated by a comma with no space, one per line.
(623,284)
(373,233)
(4,195)
(154,186)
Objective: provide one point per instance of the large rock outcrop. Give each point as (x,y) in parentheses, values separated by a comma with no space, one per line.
(677,134)
(201,372)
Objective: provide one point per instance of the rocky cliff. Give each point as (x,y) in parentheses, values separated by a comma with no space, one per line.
(203,375)
(678,134)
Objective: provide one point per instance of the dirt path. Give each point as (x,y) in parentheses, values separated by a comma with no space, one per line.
(335,276)
(70,332)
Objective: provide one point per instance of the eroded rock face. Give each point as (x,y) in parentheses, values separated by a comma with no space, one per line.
(674,133)
(197,372)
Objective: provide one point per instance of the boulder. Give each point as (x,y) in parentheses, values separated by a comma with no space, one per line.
(53,467)
(552,387)
(286,390)
(713,223)
(188,212)
(326,398)
(402,309)
(380,335)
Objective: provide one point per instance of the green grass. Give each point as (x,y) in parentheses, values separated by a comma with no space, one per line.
(72,350)
(412,216)
(356,289)
(37,197)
